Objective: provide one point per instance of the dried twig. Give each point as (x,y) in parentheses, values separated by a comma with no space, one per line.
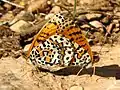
(11,3)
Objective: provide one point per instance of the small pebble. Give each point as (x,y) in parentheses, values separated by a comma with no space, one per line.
(96,24)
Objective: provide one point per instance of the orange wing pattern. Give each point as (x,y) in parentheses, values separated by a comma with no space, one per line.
(47,31)
(75,34)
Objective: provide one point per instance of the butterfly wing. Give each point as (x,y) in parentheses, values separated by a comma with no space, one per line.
(47,30)
(60,42)
(56,50)
(82,50)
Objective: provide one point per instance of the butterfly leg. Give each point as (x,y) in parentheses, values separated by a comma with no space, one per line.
(79,71)
(93,73)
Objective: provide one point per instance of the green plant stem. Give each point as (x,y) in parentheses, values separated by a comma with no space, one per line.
(74,14)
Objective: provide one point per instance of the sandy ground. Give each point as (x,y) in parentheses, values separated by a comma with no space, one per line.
(16,74)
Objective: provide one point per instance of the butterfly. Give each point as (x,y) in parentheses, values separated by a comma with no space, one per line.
(60,42)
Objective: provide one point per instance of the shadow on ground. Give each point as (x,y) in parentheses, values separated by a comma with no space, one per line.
(104,71)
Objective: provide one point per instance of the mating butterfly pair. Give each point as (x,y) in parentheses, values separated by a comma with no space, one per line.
(60,42)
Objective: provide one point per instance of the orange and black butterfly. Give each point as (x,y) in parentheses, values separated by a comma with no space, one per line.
(60,42)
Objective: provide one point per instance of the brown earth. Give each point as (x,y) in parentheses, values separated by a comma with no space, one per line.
(16,74)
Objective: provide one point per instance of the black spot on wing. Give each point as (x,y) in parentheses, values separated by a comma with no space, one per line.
(60,16)
(67,58)
(44,45)
(61,39)
(69,52)
(72,39)
(62,20)
(54,23)
(55,36)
